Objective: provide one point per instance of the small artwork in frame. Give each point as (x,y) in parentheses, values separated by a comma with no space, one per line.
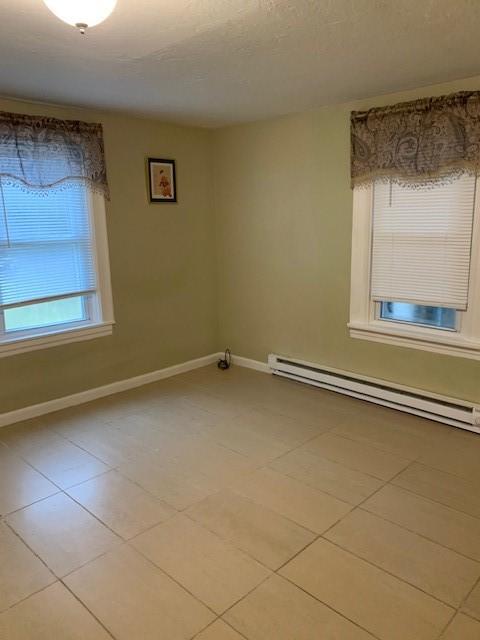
(161,180)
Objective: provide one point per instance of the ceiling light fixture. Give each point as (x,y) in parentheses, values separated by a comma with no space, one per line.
(81,13)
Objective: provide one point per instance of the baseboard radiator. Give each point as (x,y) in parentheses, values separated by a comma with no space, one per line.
(448,410)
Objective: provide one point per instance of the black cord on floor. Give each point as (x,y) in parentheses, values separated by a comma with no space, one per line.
(224,363)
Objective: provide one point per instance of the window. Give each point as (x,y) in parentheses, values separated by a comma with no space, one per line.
(416,266)
(439,317)
(54,275)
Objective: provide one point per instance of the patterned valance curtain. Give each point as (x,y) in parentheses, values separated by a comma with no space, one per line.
(44,153)
(417,143)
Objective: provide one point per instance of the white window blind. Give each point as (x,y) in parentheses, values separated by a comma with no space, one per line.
(421,243)
(46,243)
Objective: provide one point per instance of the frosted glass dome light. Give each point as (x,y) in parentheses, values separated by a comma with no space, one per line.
(81,13)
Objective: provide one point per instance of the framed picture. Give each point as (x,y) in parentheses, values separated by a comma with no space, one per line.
(161,180)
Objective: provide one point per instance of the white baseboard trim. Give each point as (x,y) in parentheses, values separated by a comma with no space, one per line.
(36,410)
(250,364)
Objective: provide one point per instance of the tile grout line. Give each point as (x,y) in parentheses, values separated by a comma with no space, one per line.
(467,596)
(275,572)
(385,484)
(469,615)
(330,430)
(393,575)
(442,504)
(87,609)
(57,580)
(52,431)
(453,608)
(320,535)
(165,573)
(317,536)
(421,535)
(447,625)
(325,604)
(417,459)
(358,506)
(30,504)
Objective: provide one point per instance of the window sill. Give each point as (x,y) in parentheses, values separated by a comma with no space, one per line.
(15,346)
(447,343)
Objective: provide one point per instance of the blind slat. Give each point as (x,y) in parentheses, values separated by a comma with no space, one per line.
(421,243)
(45,243)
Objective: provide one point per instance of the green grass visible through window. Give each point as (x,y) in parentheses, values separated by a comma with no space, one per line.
(45,314)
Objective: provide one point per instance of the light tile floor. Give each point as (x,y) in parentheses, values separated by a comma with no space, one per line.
(236,505)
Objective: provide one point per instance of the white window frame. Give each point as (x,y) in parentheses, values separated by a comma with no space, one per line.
(101,318)
(364,312)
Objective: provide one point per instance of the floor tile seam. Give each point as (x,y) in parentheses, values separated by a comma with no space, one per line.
(78,484)
(42,473)
(30,595)
(289,518)
(29,464)
(313,486)
(375,446)
(218,443)
(84,448)
(454,607)
(351,468)
(359,505)
(20,537)
(323,533)
(430,499)
(67,495)
(249,592)
(288,476)
(445,472)
(232,627)
(229,541)
(237,491)
(137,484)
(218,415)
(353,506)
(37,556)
(172,578)
(436,542)
(61,435)
(83,604)
(446,626)
(104,524)
(329,606)
(466,597)
(10,513)
(198,633)
(150,527)
(305,423)
(177,581)
(90,560)
(469,615)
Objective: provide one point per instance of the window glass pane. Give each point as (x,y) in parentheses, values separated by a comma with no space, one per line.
(440,317)
(45,314)
(46,243)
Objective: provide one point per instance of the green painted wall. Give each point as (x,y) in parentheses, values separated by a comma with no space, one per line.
(284,213)
(162,264)
(256,256)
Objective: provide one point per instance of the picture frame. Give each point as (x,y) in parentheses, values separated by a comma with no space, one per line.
(162,181)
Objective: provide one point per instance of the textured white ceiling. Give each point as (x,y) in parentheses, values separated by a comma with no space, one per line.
(214,62)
